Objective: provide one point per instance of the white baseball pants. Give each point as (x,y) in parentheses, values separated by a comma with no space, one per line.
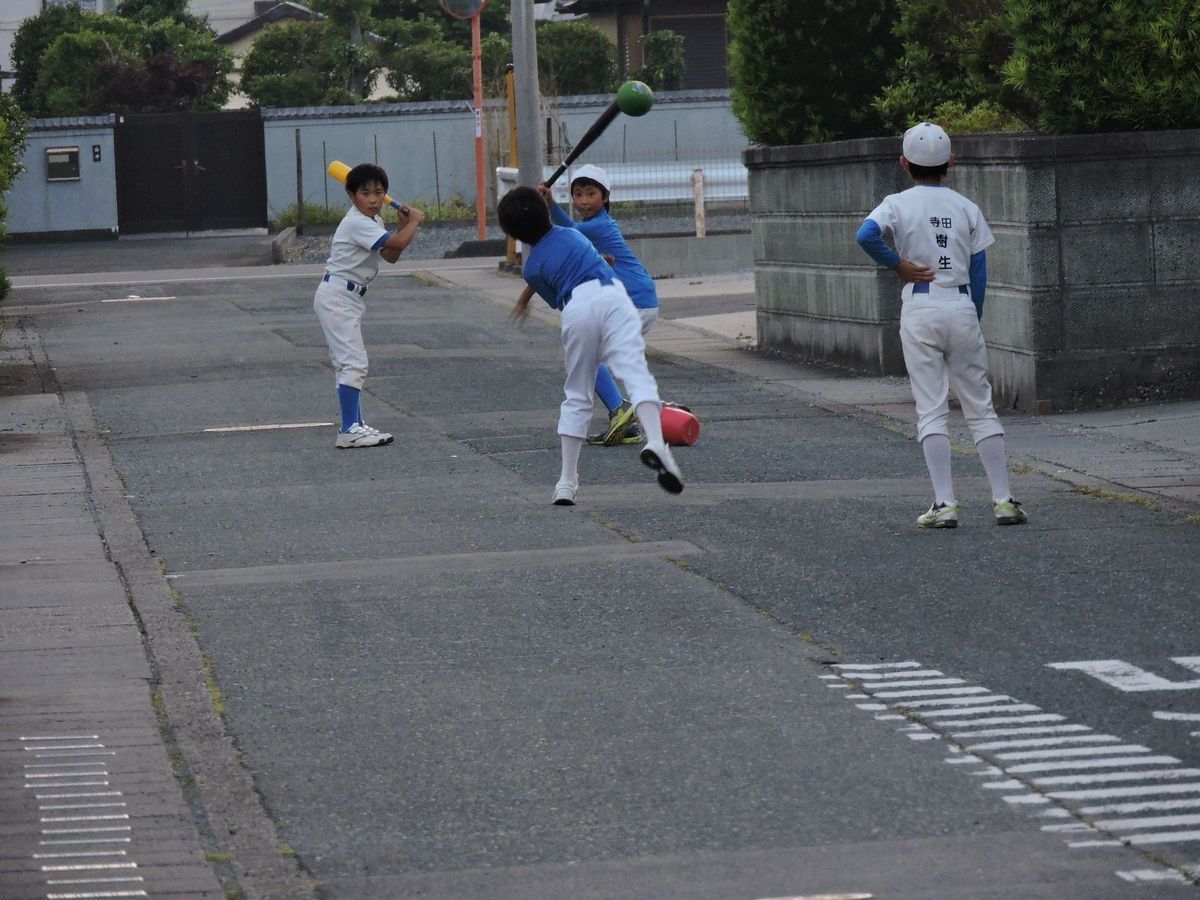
(340,312)
(601,325)
(944,348)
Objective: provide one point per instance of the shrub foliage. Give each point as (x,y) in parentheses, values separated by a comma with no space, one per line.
(1088,65)
(808,70)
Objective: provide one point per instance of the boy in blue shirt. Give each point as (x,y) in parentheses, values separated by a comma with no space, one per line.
(599,325)
(590,191)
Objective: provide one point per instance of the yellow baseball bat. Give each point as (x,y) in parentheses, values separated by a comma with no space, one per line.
(338,171)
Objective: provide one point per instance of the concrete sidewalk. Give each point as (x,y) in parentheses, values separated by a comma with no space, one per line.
(79,685)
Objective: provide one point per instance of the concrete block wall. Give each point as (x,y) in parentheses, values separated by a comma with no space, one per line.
(1093,280)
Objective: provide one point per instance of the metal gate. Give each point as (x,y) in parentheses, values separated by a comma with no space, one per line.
(190,171)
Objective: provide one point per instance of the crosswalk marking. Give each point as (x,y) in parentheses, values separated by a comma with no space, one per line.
(1096,789)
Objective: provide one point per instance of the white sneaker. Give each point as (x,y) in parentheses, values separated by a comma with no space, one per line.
(658,457)
(384,437)
(564,493)
(361,436)
(939,515)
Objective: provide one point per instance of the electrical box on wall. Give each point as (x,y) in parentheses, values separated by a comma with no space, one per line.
(62,163)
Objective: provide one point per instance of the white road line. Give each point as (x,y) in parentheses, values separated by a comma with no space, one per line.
(96,895)
(871,667)
(1166,837)
(134,298)
(933,692)
(997,704)
(909,673)
(47,807)
(1136,791)
(65,841)
(1126,677)
(1146,806)
(1041,729)
(1073,751)
(1177,716)
(79,854)
(126,879)
(90,867)
(870,707)
(63,784)
(62,737)
(1147,822)
(1047,741)
(1005,720)
(1135,875)
(1027,798)
(92,746)
(63,774)
(964,705)
(1119,776)
(225,429)
(87,830)
(82,765)
(920,682)
(67,754)
(110,817)
(77,795)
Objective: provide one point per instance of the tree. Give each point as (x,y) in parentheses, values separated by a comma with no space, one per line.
(808,70)
(575,58)
(663,62)
(13,129)
(113,64)
(74,63)
(952,52)
(422,64)
(344,33)
(290,65)
(31,40)
(150,11)
(1088,66)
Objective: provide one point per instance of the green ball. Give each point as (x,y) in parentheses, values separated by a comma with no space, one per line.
(635,98)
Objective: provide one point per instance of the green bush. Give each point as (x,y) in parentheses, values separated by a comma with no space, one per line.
(575,58)
(13,128)
(316,215)
(808,70)
(1088,66)
(951,55)
(663,62)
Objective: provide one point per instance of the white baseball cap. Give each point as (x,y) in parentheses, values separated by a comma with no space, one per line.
(594,173)
(926,144)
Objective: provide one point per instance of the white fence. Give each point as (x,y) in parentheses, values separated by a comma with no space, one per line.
(724,179)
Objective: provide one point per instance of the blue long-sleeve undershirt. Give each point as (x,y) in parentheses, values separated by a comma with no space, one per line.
(870,238)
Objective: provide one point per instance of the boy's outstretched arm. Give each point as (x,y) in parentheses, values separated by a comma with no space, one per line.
(870,238)
(410,220)
(520,310)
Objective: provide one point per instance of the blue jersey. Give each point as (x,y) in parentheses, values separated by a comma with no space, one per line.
(604,233)
(560,262)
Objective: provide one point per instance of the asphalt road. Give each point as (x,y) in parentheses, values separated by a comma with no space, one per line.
(444,686)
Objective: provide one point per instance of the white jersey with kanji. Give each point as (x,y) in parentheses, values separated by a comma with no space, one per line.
(354,251)
(936,227)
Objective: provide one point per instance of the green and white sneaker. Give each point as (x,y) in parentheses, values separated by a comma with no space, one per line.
(1009,512)
(620,423)
(940,515)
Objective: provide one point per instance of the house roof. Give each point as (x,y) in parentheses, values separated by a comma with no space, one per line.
(277,13)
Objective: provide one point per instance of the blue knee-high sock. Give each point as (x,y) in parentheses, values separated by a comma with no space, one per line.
(607,390)
(348,401)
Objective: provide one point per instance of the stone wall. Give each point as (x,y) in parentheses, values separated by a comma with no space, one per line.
(1094,281)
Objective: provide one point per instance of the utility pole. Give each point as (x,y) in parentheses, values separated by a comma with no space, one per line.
(530,168)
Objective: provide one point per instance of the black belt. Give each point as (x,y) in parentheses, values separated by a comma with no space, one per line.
(360,289)
(922,287)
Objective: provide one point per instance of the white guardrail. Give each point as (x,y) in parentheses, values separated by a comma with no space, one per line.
(723,179)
